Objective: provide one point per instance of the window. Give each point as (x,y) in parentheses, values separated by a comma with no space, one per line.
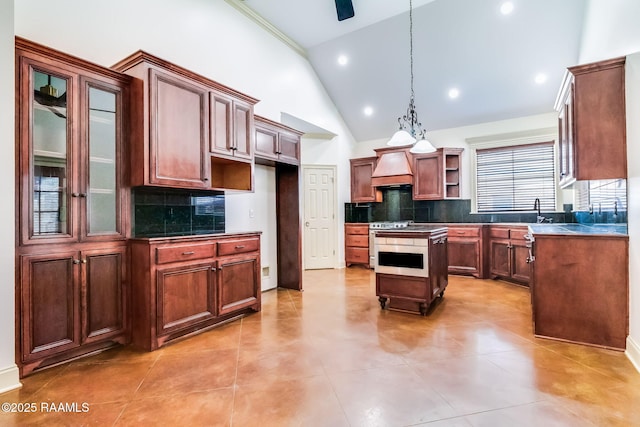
(511,178)
(601,195)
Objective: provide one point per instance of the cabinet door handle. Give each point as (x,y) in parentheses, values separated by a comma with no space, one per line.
(75,194)
(205,179)
(76,261)
(83,194)
(84,261)
(239,246)
(188,253)
(213,269)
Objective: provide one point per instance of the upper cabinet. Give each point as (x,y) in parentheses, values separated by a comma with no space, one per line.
(71,122)
(436,176)
(276,142)
(591,123)
(362,190)
(231,127)
(188,131)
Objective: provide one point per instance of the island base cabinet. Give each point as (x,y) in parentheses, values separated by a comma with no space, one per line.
(580,289)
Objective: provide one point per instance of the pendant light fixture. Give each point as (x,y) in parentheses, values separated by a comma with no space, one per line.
(410,128)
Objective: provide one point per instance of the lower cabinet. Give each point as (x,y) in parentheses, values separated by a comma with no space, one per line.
(72,302)
(508,254)
(185,284)
(356,244)
(467,249)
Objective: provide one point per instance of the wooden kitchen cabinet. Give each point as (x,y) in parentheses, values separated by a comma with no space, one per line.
(466,249)
(436,176)
(362,190)
(276,142)
(72,207)
(182,285)
(592,123)
(187,131)
(580,288)
(508,253)
(356,244)
(73,302)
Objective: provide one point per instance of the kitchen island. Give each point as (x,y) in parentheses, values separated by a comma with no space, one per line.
(580,285)
(411,267)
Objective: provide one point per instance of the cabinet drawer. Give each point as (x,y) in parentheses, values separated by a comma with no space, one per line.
(357,255)
(464,231)
(356,228)
(185,252)
(499,232)
(518,233)
(357,240)
(232,247)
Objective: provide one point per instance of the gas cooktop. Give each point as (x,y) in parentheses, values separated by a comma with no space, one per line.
(385,225)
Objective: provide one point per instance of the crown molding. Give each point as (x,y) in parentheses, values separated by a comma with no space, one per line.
(268,26)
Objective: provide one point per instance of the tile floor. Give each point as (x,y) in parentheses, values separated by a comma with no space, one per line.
(330,357)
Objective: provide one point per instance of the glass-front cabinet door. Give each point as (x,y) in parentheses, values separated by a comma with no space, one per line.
(70,144)
(48,154)
(101,154)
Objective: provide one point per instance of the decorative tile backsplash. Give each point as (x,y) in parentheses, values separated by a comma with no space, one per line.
(167,212)
(398,205)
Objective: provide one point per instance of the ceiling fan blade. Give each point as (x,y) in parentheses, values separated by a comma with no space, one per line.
(344,9)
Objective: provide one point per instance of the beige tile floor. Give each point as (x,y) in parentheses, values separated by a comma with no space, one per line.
(329,356)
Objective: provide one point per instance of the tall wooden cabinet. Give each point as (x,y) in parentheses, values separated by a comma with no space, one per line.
(592,122)
(72,207)
(187,131)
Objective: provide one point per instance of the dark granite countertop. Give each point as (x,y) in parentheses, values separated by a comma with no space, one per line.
(579,229)
(196,236)
(414,228)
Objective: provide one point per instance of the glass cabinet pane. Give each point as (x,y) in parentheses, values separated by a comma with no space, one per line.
(49,185)
(101,197)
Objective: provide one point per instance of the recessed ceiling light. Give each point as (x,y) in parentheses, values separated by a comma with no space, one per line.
(506,8)
(540,78)
(343,60)
(454,93)
(368,111)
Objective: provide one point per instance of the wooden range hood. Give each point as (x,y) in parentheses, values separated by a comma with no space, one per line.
(393,167)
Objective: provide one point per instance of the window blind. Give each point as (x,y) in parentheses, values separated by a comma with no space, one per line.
(511,178)
(600,195)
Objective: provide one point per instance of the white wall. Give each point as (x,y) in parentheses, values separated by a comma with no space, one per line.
(8,369)
(633,187)
(456,137)
(611,29)
(257,212)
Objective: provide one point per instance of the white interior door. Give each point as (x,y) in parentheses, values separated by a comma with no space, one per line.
(319,234)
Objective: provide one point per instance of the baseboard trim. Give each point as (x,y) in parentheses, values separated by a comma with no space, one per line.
(9,379)
(633,352)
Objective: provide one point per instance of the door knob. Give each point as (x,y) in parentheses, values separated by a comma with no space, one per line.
(306,224)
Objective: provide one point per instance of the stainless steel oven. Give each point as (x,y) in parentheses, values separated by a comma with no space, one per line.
(402,256)
(383,225)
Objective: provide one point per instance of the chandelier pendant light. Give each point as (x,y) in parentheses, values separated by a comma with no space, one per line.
(411,131)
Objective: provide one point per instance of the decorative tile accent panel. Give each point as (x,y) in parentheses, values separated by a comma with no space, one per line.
(167,212)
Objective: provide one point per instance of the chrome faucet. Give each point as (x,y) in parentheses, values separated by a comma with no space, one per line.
(540,219)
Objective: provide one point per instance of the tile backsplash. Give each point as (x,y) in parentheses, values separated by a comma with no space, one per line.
(398,205)
(159,212)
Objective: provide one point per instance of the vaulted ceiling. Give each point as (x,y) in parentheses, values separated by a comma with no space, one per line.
(491,58)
